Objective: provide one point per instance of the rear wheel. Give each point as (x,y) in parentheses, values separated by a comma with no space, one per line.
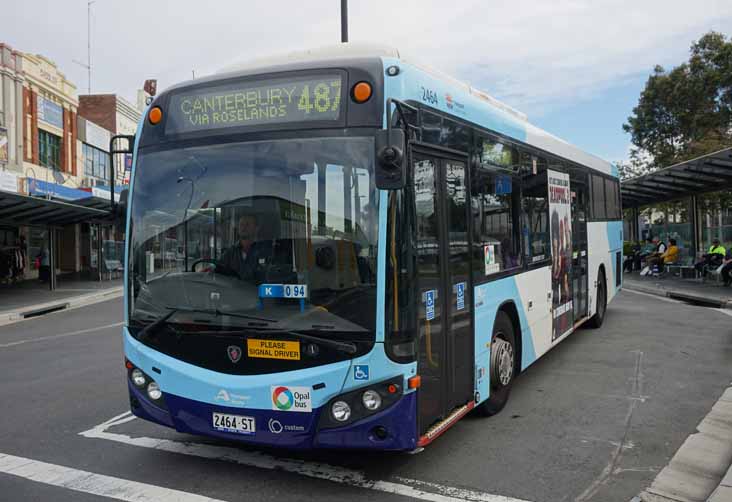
(502,365)
(597,319)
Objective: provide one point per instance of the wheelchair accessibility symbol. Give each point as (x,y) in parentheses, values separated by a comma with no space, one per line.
(361,372)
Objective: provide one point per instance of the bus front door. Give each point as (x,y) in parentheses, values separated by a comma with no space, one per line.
(443,276)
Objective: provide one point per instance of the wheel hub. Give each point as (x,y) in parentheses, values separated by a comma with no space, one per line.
(503,361)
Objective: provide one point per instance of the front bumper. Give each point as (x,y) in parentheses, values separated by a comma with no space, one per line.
(295,430)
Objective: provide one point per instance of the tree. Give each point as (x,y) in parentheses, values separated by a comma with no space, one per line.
(686,112)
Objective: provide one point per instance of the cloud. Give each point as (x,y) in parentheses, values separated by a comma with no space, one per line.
(535,55)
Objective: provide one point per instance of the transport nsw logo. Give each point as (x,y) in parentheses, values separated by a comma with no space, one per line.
(291,398)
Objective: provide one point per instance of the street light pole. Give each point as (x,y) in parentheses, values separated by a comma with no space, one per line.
(344,21)
(88,42)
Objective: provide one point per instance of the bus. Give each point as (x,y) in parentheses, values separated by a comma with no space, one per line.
(372,250)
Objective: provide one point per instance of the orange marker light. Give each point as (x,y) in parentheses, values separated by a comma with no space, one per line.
(128,365)
(361,92)
(415,382)
(155,115)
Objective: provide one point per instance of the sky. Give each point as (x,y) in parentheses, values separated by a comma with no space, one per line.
(575,67)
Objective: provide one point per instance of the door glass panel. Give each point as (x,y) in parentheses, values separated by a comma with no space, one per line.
(458,270)
(431,353)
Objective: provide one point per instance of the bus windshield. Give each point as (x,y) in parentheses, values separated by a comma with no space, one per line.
(277,234)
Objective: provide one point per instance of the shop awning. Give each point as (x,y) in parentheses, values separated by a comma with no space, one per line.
(708,173)
(16,209)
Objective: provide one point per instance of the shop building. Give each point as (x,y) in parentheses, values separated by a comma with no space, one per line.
(115,114)
(54,172)
(11,109)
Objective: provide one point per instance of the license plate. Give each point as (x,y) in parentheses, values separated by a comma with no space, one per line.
(234,423)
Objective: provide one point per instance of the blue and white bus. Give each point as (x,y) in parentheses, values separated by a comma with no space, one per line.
(363,251)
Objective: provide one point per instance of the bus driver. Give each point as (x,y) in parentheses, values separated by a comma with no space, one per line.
(247,256)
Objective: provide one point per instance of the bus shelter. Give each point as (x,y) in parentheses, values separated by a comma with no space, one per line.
(17,209)
(688,200)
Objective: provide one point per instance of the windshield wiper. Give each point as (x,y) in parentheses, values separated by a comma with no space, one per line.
(218,313)
(157,323)
(154,325)
(347,347)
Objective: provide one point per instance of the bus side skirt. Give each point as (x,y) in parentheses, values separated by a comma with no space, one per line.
(440,427)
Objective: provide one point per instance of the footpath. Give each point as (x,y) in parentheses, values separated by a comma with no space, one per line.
(708,294)
(701,470)
(30,299)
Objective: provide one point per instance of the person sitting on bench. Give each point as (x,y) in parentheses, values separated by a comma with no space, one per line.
(668,257)
(712,259)
(726,271)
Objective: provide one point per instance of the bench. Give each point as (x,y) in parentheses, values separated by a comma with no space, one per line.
(684,266)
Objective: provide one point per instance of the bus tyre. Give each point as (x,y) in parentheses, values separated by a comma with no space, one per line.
(502,365)
(597,319)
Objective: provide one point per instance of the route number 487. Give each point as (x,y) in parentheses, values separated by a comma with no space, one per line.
(429,96)
(324,97)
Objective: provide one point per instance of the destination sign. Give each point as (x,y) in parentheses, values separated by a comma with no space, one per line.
(257,102)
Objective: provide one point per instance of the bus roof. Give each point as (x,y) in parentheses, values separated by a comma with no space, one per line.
(534,136)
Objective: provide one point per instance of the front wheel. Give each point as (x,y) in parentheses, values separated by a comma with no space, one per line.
(597,319)
(502,365)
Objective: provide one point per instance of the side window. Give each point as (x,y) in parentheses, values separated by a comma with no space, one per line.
(431,127)
(495,205)
(612,204)
(598,198)
(455,135)
(492,152)
(535,208)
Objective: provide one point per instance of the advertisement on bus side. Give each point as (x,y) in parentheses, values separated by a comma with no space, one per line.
(560,229)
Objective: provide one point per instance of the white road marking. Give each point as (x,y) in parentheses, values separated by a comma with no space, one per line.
(400,486)
(89,482)
(61,335)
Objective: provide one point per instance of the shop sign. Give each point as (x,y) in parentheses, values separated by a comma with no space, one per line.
(39,187)
(49,112)
(97,137)
(8,182)
(128,169)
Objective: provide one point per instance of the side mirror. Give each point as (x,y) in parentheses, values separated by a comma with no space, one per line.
(391,162)
(121,143)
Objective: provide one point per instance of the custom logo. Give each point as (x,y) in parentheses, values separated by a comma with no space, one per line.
(448,101)
(291,398)
(234,353)
(275,426)
(223,396)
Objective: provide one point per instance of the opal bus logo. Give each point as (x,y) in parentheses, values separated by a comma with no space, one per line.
(282,398)
(291,398)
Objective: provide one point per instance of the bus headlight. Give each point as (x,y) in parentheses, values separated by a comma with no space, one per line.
(137,377)
(371,400)
(361,403)
(341,411)
(153,391)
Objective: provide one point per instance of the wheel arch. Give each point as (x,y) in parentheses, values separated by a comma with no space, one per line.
(509,307)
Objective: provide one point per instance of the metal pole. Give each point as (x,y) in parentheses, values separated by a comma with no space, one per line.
(88,44)
(52,258)
(100,255)
(695,225)
(344,21)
